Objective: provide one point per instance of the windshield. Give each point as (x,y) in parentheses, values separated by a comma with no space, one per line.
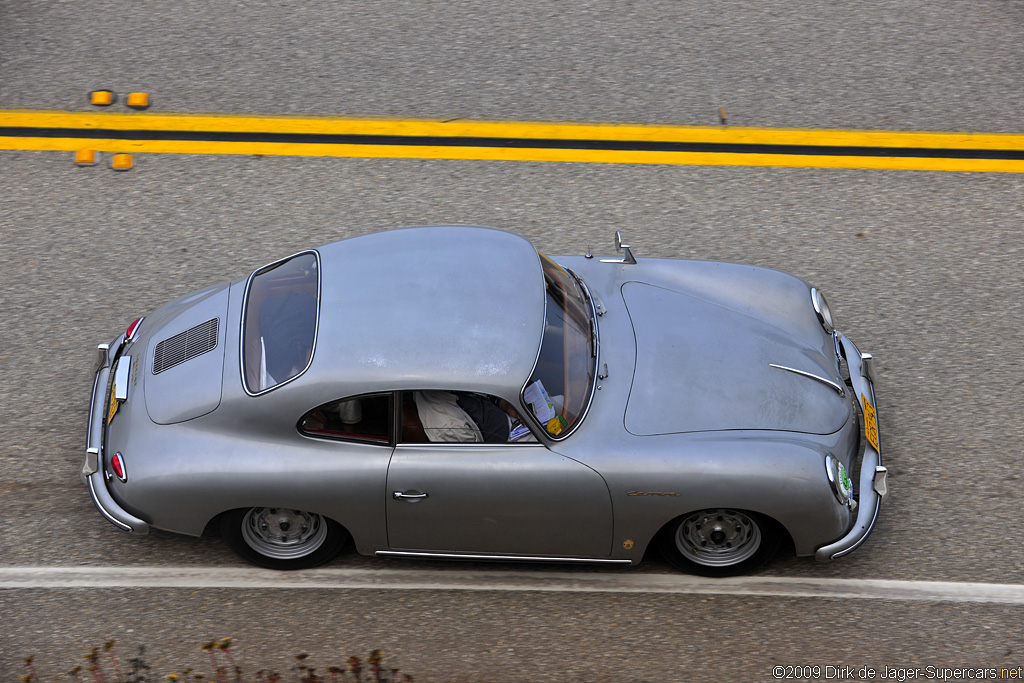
(560,387)
(280,322)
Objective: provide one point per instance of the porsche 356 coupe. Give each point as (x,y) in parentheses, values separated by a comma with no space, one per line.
(449,392)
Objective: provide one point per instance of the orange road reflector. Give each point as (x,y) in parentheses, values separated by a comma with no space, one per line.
(86,157)
(138,100)
(121,162)
(102,98)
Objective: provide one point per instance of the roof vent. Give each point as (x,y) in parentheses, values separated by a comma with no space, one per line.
(185,345)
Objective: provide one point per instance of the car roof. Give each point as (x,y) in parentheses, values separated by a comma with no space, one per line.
(448,307)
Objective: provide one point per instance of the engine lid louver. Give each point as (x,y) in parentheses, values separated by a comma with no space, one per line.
(186,345)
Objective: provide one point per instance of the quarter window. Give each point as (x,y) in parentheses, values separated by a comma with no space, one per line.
(363,418)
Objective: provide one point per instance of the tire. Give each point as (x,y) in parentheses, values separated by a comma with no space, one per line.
(278,538)
(719,542)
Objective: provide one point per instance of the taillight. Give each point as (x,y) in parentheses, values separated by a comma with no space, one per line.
(132,329)
(117,465)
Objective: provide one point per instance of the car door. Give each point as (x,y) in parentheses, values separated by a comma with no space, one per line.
(515,498)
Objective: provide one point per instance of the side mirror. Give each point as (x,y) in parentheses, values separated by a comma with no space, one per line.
(627,255)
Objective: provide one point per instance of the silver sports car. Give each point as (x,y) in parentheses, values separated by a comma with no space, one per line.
(449,392)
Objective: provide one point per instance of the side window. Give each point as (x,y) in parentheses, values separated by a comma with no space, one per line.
(363,418)
(460,417)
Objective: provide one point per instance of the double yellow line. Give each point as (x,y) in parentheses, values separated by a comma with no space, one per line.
(510,141)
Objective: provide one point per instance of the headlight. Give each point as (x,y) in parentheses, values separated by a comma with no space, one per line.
(839,478)
(822,310)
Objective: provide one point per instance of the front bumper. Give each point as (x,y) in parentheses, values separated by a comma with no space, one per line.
(93,473)
(873,483)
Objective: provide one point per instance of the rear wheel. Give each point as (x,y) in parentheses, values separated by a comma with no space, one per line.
(719,542)
(280,538)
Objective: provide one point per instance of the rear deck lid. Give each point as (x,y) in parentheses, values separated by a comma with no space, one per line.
(184,361)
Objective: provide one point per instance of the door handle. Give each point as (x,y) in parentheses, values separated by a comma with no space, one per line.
(400,495)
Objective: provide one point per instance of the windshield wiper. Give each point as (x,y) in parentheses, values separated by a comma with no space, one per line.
(585,292)
(581,286)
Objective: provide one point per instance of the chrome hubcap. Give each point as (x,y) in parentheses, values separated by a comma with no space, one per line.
(718,538)
(283,534)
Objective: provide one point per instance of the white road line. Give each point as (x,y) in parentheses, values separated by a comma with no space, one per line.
(499,580)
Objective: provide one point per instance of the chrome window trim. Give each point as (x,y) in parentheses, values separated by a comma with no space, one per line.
(397,431)
(245,304)
(596,341)
(389,443)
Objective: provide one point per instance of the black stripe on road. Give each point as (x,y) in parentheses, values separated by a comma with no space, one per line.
(510,143)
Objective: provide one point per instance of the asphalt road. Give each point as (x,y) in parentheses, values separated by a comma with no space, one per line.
(922,269)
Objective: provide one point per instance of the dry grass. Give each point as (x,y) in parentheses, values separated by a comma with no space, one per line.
(102,665)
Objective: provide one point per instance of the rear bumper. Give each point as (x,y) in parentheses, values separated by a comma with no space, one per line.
(873,482)
(93,473)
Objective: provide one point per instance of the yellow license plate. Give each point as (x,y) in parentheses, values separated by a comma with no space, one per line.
(113,406)
(870,422)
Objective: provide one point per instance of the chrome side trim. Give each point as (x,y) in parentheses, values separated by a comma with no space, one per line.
(113,512)
(499,558)
(837,387)
(870,497)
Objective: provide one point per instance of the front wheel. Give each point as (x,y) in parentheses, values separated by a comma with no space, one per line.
(719,542)
(279,538)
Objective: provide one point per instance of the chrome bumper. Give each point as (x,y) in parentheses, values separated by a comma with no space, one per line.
(873,483)
(92,473)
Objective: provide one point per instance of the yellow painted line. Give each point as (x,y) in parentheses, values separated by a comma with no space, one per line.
(454,140)
(512,154)
(512,129)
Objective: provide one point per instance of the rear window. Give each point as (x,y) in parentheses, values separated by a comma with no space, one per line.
(280,320)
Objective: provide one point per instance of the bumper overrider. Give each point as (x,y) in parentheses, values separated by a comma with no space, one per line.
(873,485)
(94,473)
